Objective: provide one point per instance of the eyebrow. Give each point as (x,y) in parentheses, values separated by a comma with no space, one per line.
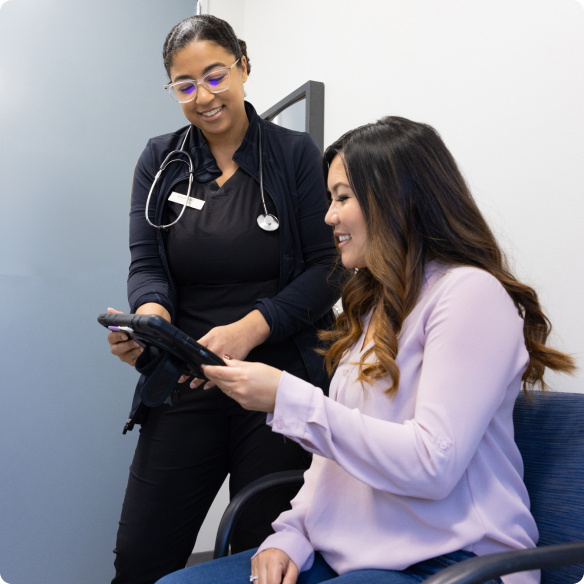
(338,184)
(206,70)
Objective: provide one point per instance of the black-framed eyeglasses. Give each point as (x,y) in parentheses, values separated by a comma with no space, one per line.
(215,82)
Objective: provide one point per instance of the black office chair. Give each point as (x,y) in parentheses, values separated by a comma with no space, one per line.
(286,478)
(549,430)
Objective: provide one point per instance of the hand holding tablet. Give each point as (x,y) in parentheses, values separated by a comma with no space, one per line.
(150,329)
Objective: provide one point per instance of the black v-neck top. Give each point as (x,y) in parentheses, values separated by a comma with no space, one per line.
(221,260)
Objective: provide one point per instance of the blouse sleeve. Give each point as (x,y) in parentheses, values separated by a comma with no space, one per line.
(473,349)
(309,296)
(290,531)
(147,278)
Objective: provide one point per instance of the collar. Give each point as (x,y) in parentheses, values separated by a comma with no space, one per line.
(246,156)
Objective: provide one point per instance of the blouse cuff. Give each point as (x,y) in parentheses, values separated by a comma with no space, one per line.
(296,546)
(294,404)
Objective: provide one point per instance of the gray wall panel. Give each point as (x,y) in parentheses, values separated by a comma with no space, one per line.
(80,94)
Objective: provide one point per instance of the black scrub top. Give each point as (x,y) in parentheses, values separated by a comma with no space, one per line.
(221,261)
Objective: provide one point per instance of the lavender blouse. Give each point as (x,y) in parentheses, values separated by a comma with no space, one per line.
(397,480)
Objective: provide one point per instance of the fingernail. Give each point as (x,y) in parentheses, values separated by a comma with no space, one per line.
(207,386)
(226,357)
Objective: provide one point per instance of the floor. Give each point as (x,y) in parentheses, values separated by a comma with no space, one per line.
(199,558)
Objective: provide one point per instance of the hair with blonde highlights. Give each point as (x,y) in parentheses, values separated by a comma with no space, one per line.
(417,208)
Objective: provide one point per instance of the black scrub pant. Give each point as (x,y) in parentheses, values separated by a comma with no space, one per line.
(183,455)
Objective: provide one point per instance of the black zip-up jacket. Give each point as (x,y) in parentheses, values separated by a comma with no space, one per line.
(293,180)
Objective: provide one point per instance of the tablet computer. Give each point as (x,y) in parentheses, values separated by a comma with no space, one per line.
(151,329)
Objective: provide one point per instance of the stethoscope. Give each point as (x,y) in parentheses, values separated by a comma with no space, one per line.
(266,221)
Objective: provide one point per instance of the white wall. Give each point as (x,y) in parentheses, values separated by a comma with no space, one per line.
(501,80)
(233,11)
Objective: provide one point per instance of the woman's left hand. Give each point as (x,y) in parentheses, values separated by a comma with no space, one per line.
(252,385)
(235,340)
(273,566)
(232,339)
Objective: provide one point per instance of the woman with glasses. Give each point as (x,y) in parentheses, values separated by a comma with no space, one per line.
(415,466)
(228,242)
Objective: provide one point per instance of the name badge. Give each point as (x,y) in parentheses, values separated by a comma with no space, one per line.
(193,203)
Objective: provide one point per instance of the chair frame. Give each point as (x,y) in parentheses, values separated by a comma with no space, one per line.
(483,568)
(472,571)
(288,478)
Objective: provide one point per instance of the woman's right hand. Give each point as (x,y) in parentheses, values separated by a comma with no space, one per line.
(122,346)
(273,566)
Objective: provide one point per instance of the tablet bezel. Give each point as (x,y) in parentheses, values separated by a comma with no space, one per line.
(151,329)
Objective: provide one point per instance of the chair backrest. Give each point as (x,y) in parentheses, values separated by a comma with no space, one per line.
(549,430)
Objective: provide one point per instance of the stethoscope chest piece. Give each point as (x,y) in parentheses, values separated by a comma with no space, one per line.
(268,222)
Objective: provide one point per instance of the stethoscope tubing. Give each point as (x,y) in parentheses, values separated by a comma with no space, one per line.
(163,166)
(267,221)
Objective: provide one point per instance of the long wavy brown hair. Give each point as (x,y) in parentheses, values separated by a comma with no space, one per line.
(417,208)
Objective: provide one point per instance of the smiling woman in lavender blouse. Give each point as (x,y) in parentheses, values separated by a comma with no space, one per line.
(415,465)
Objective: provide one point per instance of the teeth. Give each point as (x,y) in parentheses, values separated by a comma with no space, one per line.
(344,237)
(211,113)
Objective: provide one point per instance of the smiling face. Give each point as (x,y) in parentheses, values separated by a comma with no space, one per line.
(218,115)
(346,217)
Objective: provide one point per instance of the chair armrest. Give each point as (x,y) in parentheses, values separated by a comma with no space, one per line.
(480,569)
(238,502)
